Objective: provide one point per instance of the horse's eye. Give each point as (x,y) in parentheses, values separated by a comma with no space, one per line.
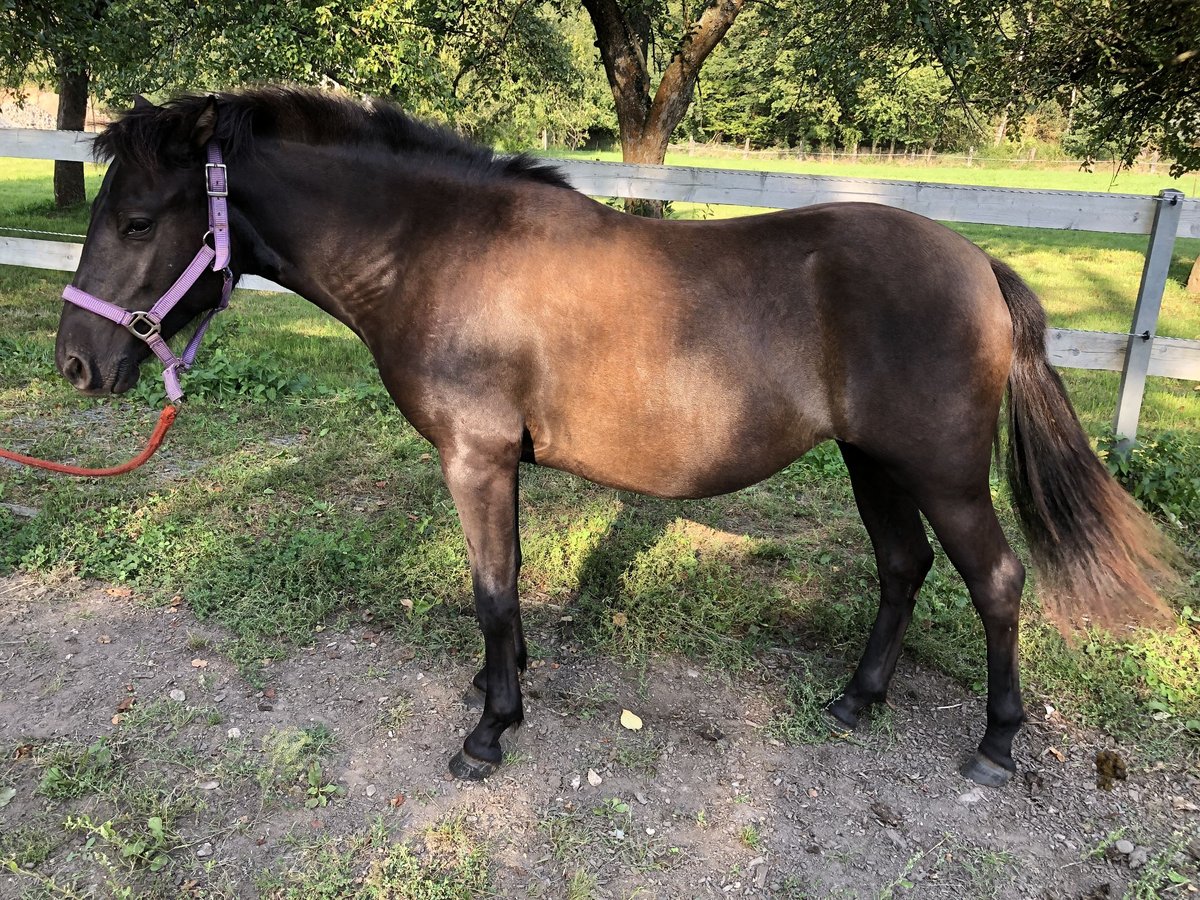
(137,227)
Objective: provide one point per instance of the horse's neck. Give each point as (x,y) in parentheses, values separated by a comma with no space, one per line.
(322,229)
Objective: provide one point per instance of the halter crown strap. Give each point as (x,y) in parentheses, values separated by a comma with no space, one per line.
(147,325)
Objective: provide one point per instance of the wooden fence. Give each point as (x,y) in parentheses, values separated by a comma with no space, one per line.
(1137,354)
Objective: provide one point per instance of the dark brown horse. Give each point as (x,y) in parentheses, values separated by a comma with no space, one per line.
(515,320)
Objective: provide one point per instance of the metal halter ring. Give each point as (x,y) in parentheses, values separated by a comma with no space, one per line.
(143,326)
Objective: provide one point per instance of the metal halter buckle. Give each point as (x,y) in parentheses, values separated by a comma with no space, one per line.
(208,179)
(143,326)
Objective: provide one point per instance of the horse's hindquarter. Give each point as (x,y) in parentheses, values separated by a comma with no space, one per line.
(919,337)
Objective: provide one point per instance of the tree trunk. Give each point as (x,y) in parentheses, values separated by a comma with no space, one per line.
(72,116)
(1193,284)
(646,121)
(1001,128)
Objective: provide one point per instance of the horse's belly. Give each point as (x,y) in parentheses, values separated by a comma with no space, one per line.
(711,450)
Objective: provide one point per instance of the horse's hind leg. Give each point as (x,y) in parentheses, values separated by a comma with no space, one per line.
(966,525)
(903,557)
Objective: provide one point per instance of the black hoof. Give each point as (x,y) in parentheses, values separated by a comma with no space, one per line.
(982,770)
(469,768)
(843,713)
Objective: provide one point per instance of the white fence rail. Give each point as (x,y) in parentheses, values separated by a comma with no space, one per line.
(1137,354)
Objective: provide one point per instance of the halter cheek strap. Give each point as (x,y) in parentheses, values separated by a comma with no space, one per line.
(147,325)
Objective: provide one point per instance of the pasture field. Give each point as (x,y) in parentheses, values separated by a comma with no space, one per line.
(1007,174)
(292,502)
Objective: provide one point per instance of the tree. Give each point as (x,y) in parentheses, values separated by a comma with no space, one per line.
(627,33)
(53,42)
(1133,66)
(492,69)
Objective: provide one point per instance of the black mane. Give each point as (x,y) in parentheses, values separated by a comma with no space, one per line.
(308,116)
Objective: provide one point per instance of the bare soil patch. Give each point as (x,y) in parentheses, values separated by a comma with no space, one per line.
(702,802)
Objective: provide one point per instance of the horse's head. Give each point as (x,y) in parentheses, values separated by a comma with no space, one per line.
(148,222)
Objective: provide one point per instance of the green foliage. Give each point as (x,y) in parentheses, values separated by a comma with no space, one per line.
(149,846)
(502,72)
(446,863)
(70,771)
(803,719)
(219,375)
(293,754)
(771,83)
(319,792)
(1162,472)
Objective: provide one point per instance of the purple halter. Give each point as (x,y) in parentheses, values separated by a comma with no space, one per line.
(147,325)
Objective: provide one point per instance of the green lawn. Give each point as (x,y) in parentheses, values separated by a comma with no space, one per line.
(1015,175)
(287,432)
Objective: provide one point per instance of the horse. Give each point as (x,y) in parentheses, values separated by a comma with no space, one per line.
(514,320)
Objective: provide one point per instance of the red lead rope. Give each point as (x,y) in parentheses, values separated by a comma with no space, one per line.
(165,419)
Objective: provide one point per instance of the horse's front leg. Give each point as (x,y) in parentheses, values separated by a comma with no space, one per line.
(483,482)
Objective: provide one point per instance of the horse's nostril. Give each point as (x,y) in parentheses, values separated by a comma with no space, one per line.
(77,372)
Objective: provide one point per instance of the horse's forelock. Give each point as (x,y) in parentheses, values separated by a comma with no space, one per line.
(142,135)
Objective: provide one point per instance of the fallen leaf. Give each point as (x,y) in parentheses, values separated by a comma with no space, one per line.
(407,603)
(1110,767)
(177,600)
(594,778)
(119,591)
(116,720)
(126,704)
(6,796)
(1056,753)
(24,751)
(104,639)
(199,663)
(397,801)
(269,692)
(886,815)
(630,720)
(620,619)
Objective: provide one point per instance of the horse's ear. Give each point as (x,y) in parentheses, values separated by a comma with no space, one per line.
(193,130)
(205,124)
(140,102)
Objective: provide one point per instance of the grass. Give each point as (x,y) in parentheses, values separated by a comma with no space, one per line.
(1011,174)
(448,862)
(361,520)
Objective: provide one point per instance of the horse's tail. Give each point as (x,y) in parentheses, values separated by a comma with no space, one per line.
(1097,553)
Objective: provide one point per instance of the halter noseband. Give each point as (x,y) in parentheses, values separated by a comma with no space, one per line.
(147,325)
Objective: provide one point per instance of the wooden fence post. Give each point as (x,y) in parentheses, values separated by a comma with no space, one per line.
(1145,314)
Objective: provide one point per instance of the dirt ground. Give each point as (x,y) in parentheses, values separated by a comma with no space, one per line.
(701,802)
